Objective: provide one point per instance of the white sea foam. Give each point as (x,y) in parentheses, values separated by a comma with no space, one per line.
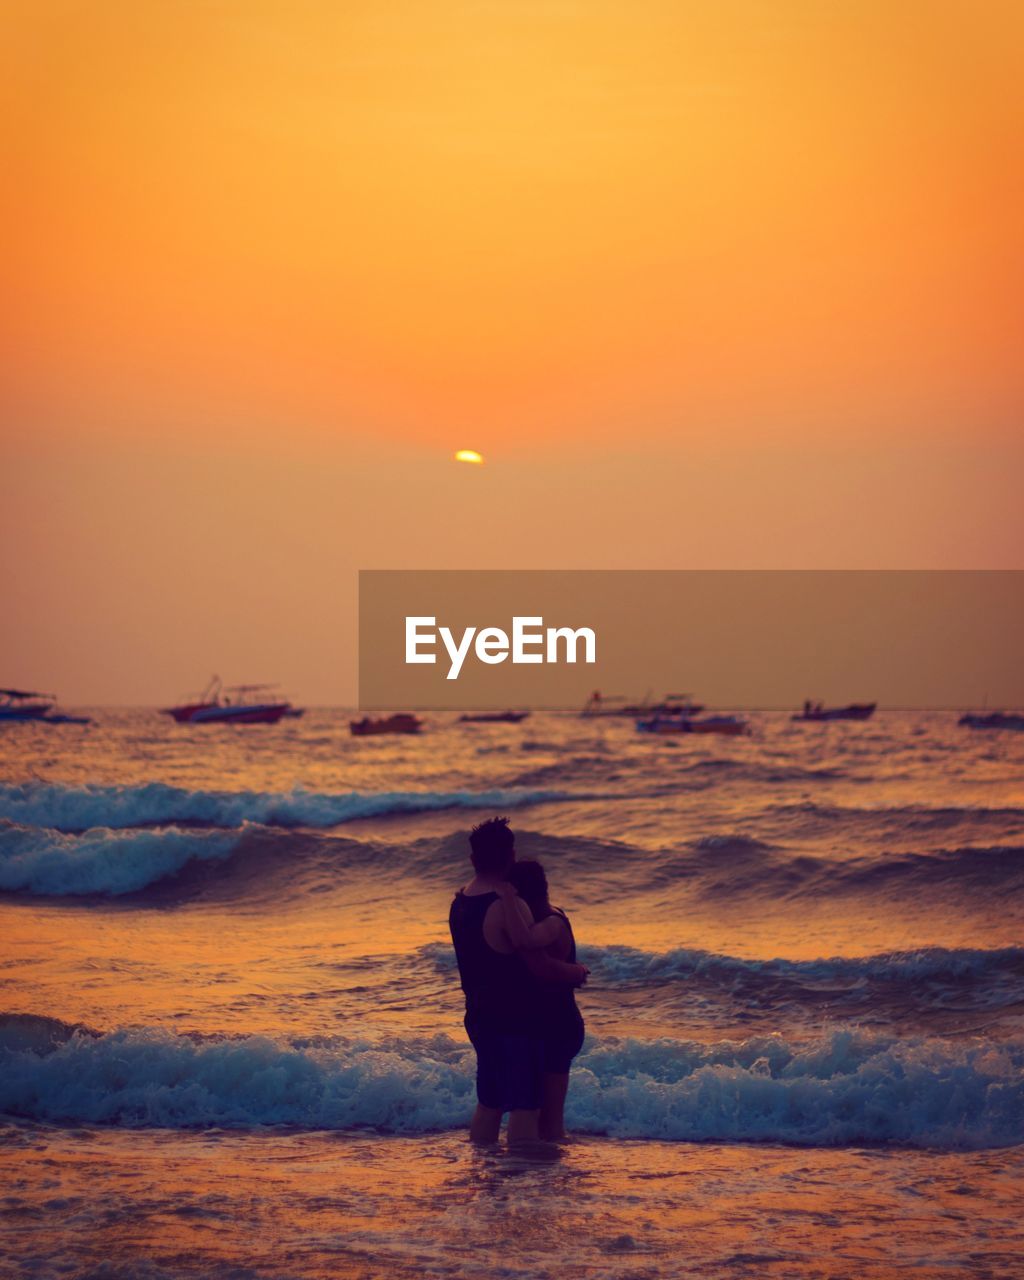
(70,808)
(848,1088)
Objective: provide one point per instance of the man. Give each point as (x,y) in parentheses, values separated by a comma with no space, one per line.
(502,1011)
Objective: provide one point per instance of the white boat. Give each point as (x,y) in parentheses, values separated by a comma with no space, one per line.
(23,704)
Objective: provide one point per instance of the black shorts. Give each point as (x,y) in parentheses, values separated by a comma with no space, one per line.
(509,1067)
(562,1044)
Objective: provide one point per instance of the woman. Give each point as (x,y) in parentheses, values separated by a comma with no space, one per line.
(561,1021)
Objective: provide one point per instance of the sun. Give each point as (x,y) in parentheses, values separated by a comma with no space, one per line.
(469,455)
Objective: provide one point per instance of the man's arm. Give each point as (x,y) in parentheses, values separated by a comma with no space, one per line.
(520,928)
(548,969)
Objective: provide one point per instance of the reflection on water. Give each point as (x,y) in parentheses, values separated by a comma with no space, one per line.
(315,1205)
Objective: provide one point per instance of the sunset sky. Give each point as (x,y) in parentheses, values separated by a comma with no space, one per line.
(709,285)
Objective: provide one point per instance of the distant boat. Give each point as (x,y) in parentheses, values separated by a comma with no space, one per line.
(40,708)
(494,717)
(673,704)
(232,704)
(993,720)
(854,711)
(730,725)
(22,704)
(399,723)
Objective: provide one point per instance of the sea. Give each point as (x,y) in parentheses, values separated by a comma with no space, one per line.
(230,1021)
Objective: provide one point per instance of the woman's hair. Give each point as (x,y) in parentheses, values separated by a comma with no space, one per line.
(532,886)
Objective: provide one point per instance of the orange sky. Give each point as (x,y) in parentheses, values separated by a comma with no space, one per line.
(709,284)
(516,217)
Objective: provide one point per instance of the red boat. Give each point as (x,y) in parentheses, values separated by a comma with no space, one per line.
(232,704)
(400,723)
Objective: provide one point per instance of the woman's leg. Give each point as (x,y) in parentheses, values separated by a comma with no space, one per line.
(559,1051)
(486,1124)
(551,1126)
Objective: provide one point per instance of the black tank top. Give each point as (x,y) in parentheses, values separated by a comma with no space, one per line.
(501,993)
(558,999)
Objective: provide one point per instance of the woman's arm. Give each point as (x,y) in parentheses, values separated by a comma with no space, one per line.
(523,932)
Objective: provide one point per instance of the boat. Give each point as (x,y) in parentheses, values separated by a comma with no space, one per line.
(494,717)
(38,708)
(231,704)
(673,704)
(993,720)
(402,722)
(23,704)
(853,711)
(730,725)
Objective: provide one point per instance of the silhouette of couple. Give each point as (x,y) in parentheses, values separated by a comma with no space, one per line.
(517,962)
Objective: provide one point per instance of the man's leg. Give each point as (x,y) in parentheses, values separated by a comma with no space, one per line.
(486,1124)
(551,1125)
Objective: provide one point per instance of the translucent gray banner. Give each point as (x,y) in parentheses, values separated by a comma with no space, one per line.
(461,639)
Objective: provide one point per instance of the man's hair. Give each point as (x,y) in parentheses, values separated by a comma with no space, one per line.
(492,847)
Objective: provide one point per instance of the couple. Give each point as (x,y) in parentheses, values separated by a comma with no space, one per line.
(517,961)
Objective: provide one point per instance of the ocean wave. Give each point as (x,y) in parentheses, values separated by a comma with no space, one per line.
(846,1088)
(621,967)
(738,865)
(652,777)
(730,845)
(102,860)
(251,860)
(908,819)
(964,868)
(116,860)
(68,808)
(761,771)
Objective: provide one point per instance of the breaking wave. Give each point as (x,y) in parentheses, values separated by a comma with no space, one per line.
(61,859)
(101,860)
(68,808)
(847,1088)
